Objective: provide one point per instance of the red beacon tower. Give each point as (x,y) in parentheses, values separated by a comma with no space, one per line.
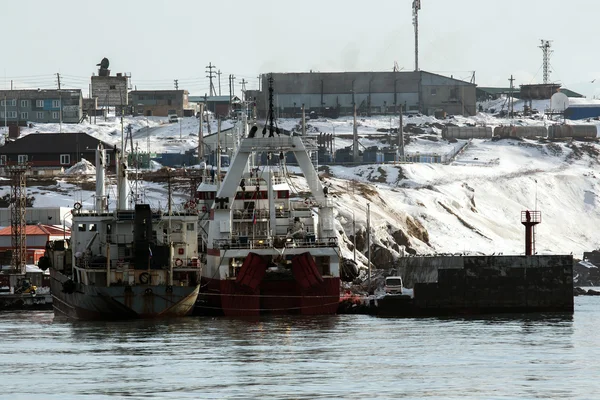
(530,219)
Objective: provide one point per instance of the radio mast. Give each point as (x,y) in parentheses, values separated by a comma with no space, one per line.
(416,7)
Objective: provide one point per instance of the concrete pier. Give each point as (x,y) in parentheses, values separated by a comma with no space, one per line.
(483,284)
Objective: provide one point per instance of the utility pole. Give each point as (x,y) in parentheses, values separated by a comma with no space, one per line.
(355,140)
(201,135)
(416,7)
(511,103)
(219,75)
(369,242)
(211,75)
(176,84)
(59,103)
(232,86)
(207,114)
(401,157)
(243,83)
(230,91)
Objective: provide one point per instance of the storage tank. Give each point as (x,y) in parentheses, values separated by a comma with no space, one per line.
(466,132)
(572,131)
(521,131)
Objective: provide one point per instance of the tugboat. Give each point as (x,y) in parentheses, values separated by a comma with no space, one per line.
(268,252)
(124,264)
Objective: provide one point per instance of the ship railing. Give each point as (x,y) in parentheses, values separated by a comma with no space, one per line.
(259,214)
(279,242)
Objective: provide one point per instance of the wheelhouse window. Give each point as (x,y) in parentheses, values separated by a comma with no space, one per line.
(81,227)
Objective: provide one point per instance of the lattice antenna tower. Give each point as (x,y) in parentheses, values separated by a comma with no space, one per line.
(416,6)
(545,46)
(18,220)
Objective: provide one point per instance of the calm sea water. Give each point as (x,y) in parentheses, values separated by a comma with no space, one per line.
(342,357)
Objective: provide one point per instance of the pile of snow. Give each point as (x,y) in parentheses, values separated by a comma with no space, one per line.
(83,167)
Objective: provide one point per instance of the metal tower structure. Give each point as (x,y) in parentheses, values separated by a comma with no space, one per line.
(545,46)
(17,216)
(530,219)
(416,6)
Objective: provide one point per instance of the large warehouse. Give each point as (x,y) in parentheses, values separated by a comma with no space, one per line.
(372,92)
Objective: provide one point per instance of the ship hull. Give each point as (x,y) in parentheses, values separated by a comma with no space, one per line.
(120,302)
(226,297)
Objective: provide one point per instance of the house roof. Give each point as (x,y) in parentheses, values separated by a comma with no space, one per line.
(570,93)
(53,143)
(37,230)
(169,91)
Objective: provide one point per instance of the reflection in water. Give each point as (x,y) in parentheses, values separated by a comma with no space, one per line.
(346,356)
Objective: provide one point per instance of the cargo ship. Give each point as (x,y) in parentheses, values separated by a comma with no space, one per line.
(126,263)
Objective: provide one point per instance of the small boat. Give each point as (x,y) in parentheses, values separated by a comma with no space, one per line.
(268,250)
(124,264)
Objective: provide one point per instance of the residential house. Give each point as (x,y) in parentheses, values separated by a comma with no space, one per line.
(18,107)
(219,105)
(54,150)
(161,103)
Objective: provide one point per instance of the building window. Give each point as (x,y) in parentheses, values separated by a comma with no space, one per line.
(55,115)
(24,103)
(3,160)
(24,115)
(22,158)
(9,103)
(55,103)
(39,103)
(40,115)
(169,102)
(1,114)
(433,92)
(107,158)
(113,87)
(11,114)
(65,159)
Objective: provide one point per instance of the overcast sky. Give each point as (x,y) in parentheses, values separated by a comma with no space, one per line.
(158,41)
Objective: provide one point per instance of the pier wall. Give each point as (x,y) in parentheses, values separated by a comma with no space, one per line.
(495,283)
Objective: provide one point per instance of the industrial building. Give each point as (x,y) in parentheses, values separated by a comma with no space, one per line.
(371,92)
